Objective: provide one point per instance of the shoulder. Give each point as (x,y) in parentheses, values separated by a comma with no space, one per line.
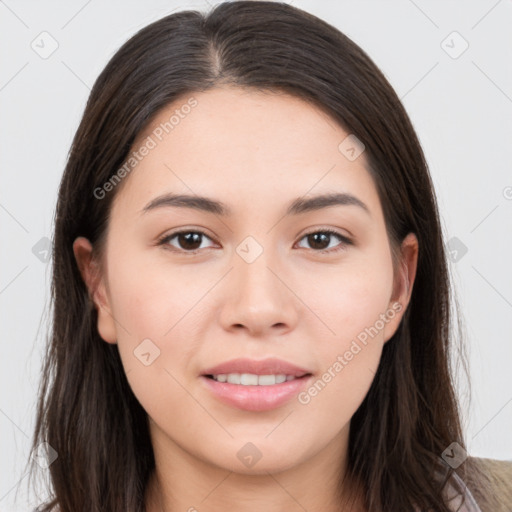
(490,483)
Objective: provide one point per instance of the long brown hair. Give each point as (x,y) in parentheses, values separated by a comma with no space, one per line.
(87,412)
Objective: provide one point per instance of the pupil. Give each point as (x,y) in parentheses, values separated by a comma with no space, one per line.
(314,237)
(190,238)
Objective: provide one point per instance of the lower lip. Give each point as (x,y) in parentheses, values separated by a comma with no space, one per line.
(256,398)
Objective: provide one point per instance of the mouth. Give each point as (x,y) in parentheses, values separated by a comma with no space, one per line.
(239,391)
(247,371)
(252,379)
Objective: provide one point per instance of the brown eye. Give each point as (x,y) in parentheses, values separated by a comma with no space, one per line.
(187,241)
(320,241)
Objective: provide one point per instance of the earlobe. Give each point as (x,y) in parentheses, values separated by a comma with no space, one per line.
(403,283)
(404,280)
(95,284)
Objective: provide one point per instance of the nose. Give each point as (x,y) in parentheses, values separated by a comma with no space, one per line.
(258,298)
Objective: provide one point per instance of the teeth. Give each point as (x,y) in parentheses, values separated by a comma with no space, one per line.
(233,378)
(250,379)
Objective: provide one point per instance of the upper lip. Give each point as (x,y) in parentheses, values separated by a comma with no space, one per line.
(271,366)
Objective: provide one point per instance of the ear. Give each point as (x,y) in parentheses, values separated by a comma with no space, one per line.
(96,287)
(402,284)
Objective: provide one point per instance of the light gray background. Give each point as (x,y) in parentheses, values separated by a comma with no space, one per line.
(461,108)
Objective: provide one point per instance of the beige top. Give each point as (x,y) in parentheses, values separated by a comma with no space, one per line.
(453,498)
(470,505)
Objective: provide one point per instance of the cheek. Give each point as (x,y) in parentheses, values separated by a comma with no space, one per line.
(157,318)
(157,345)
(349,299)
(338,390)
(150,297)
(349,356)
(354,307)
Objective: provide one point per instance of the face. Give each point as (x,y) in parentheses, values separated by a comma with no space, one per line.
(183,289)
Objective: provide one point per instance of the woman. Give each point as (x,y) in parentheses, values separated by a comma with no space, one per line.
(250,292)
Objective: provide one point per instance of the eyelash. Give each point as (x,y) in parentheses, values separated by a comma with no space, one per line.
(342,246)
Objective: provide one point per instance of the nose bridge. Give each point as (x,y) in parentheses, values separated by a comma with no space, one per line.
(255,280)
(258,299)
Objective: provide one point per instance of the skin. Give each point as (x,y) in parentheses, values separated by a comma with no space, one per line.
(255,152)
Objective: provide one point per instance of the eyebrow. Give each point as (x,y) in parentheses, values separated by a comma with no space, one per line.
(296,207)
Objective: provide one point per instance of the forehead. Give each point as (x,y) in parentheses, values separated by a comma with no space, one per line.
(243,145)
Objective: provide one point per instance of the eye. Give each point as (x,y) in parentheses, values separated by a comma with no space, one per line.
(188,241)
(318,239)
(191,241)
